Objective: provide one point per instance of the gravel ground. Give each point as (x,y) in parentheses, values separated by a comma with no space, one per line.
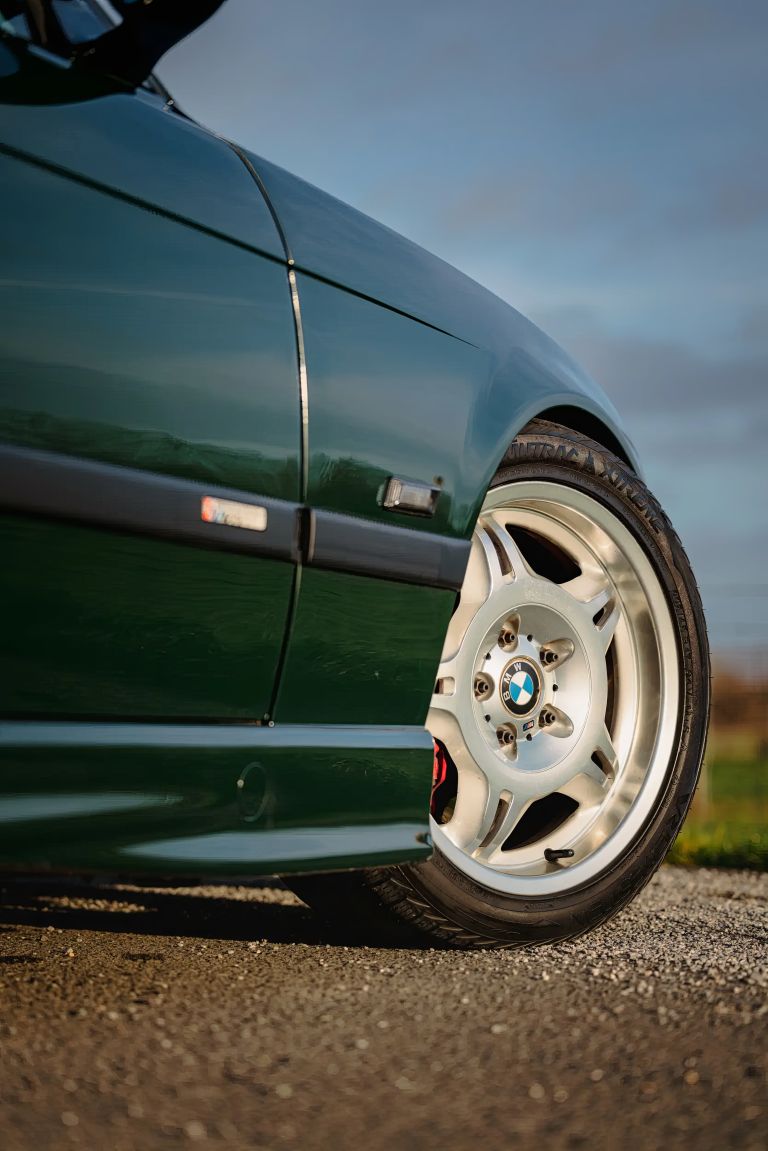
(137,1018)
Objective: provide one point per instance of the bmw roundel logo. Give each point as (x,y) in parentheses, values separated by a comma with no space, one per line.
(520,686)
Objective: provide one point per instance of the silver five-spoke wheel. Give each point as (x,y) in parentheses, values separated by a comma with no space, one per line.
(556,698)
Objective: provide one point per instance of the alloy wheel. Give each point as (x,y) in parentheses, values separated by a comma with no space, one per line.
(557,695)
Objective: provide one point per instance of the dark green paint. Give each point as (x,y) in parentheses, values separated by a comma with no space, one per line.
(362,650)
(387,397)
(101,624)
(126,142)
(132,339)
(166,800)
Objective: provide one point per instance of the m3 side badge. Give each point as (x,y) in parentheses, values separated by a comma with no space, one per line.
(233,514)
(520,686)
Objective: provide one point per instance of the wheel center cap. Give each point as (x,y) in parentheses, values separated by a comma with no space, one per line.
(520,686)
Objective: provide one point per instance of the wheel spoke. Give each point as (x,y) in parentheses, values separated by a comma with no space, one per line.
(607,621)
(476,587)
(476,805)
(504,560)
(591,781)
(598,598)
(446,693)
(591,588)
(504,819)
(587,787)
(514,557)
(497,570)
(607,753)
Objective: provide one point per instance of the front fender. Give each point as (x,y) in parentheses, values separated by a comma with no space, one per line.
(483,369)
(533,382)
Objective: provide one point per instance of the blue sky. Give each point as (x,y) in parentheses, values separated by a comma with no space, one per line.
(600,165)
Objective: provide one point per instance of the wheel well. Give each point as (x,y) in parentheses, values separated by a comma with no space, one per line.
(580,421)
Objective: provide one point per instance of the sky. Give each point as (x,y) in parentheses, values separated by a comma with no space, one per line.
(600,165)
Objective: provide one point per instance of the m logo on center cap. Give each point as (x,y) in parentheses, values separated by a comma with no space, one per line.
(520,686)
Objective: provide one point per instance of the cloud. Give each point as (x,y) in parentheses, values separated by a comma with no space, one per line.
(753,328)
(552,201)
(646,375)
(725,201)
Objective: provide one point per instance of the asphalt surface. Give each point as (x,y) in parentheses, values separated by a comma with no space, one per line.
(229,1017)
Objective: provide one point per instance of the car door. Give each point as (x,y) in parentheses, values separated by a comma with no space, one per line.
(149,408)
(390,400)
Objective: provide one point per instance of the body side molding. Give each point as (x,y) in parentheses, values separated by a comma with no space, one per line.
(145,503)
(345,543)
(56,486)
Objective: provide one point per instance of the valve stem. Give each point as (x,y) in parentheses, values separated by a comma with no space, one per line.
(553,855)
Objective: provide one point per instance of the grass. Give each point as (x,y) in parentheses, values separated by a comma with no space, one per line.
(727,825)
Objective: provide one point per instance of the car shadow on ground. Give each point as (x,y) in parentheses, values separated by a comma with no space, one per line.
(262,911)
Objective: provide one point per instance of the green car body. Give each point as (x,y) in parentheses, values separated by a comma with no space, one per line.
(184,321)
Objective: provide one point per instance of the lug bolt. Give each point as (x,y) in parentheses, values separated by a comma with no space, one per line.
(510,629)
(507,735)
(483,685)
(555,652)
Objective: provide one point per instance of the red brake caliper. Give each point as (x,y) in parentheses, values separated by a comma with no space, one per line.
(441,765)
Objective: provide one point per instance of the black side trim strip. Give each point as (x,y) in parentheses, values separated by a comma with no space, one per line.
(144,503)
(349,544)
(56,486)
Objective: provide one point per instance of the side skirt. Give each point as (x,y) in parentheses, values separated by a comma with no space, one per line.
(235,800)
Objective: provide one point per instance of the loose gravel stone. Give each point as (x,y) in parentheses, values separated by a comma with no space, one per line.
(150,1017)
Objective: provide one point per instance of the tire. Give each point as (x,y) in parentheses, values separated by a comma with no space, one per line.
(569,717)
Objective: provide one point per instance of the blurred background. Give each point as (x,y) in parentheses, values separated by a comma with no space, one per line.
(603,168)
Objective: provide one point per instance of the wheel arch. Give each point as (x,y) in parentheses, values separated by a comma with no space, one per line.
(588,424)
(501,416)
